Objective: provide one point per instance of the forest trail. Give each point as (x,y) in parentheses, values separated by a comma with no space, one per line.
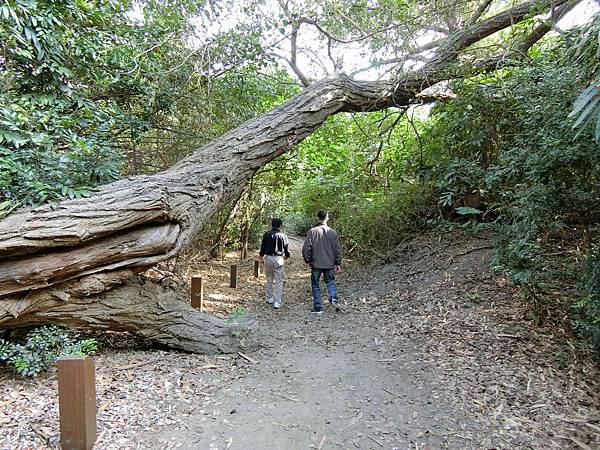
(432,351)
(421,357)
(329,381)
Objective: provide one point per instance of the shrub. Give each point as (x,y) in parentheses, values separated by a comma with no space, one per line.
(587,309)
(41,348)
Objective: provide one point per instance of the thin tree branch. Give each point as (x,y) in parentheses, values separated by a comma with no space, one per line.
(294,45)
(479,12)
(511,57)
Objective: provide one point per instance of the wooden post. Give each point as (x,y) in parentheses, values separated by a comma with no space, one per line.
(233,276)
(77,402)
(198,293)
(256,269)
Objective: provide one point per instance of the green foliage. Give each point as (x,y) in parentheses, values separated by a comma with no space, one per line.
(363,169)
(518,255)
(54,138)
(41,348)
(510,136)
(586,54)
(518,148)
(587,308)
(83,86)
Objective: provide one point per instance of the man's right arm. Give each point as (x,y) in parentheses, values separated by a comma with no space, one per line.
(338,251)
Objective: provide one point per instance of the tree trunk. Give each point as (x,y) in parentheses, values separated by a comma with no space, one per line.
(61,263)
(160,314)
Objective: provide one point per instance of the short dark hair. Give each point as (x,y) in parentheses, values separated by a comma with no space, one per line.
(276,222)
(322,215)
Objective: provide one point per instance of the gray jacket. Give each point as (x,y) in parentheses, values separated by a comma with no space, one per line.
(322,249)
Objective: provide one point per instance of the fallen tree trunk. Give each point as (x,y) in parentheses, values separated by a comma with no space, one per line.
(62,263)
(103,302)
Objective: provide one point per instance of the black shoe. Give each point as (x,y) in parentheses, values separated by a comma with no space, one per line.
(336,305)
(317,311)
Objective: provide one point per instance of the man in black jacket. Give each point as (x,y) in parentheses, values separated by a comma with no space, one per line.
(274,250)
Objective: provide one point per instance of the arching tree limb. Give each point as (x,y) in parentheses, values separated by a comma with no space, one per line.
(63,262)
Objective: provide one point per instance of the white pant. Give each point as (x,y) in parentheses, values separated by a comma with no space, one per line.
(274,272)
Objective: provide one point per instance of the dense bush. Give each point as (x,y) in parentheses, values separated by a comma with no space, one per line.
(588,307)
(509,135)
(40,349)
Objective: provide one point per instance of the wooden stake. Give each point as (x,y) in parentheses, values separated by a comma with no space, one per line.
(198,293)
(77,402)
(256,269)
(233,276)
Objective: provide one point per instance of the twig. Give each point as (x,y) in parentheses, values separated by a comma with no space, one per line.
(279,425)
(375,440)
(40,434)
(578,442)
(209,366)
(483,247)
(593,427)
(584,419)
(248,358)
(391,392)
(289,398)
(137,364)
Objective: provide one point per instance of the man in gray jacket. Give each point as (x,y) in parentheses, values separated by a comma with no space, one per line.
(322,252)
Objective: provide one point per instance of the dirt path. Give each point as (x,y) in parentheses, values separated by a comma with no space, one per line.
(432,351)
(326,382)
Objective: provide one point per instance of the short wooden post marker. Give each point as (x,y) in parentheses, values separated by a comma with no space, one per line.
(77,402)
(256,269)
(198,293)
(233,276)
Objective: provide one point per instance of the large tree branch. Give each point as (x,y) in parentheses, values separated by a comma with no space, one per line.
(520,51)
(449,48)
(448,52)
(47,254)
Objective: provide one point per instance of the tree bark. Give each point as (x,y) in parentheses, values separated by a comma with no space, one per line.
(102,302)
(60,263)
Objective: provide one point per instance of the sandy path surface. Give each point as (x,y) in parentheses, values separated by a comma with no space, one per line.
(326,382)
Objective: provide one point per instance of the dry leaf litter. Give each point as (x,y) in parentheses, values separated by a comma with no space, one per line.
(478,373)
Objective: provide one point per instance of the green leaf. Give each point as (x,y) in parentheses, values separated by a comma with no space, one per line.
(586,112)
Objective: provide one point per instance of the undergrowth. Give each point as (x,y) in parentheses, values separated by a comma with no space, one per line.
(40,349)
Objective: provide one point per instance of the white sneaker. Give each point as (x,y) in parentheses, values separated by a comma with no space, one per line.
(270,301)
(276,305)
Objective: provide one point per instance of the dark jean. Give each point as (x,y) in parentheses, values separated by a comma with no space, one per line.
(329,276)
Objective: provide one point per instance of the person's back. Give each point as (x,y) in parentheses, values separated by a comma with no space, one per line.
(322,252)
(322,247)
(274,251)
